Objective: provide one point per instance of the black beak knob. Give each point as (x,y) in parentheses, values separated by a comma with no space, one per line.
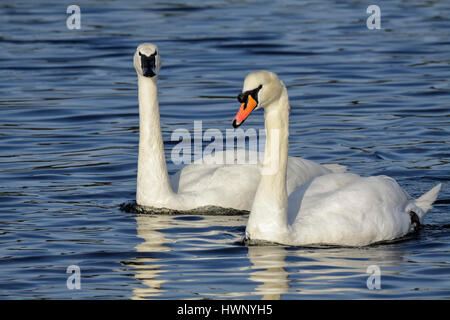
(242,97)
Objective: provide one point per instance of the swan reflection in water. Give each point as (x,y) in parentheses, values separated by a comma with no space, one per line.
(269,270)
(150,269)
(204,256)
(175,248)
(324,271)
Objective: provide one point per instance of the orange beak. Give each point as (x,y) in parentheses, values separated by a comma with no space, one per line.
(244,111)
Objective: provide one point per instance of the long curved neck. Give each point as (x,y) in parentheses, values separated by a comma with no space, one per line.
(269,211)
(153,184)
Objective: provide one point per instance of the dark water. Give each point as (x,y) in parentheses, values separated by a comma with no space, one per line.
(374,100)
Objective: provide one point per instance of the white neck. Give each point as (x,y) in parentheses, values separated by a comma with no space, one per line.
(269,212)
(153,186)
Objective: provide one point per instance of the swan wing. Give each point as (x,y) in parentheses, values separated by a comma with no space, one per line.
(347,209)
(234,185)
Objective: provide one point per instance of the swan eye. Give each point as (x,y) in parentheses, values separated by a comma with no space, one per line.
(243,96)
(152,55)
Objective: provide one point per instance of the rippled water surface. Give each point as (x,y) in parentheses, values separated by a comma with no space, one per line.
(376,101)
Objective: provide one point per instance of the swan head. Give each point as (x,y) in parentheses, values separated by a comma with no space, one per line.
(147,60)
(261,89)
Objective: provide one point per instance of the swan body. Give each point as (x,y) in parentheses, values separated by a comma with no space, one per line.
(204,183)
(332,209)
(199,185)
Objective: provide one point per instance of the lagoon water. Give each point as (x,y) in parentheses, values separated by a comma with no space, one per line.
(377,101)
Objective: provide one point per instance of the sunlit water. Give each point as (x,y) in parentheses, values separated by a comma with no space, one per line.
(376,101)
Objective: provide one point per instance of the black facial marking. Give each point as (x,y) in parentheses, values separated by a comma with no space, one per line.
(148,64)
(153,54)
(243,96)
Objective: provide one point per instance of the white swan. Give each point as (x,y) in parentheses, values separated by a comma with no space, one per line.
(334,209)
(201,184)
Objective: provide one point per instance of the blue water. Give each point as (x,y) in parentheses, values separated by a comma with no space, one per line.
(377,101)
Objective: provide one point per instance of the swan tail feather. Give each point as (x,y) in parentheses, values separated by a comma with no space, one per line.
(426,200)
(335,168)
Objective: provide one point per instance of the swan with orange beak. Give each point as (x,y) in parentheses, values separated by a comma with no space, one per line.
(261,89)
(333,209)
(249,102)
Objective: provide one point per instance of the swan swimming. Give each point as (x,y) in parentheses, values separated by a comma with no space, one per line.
(332,209)
(202,184)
